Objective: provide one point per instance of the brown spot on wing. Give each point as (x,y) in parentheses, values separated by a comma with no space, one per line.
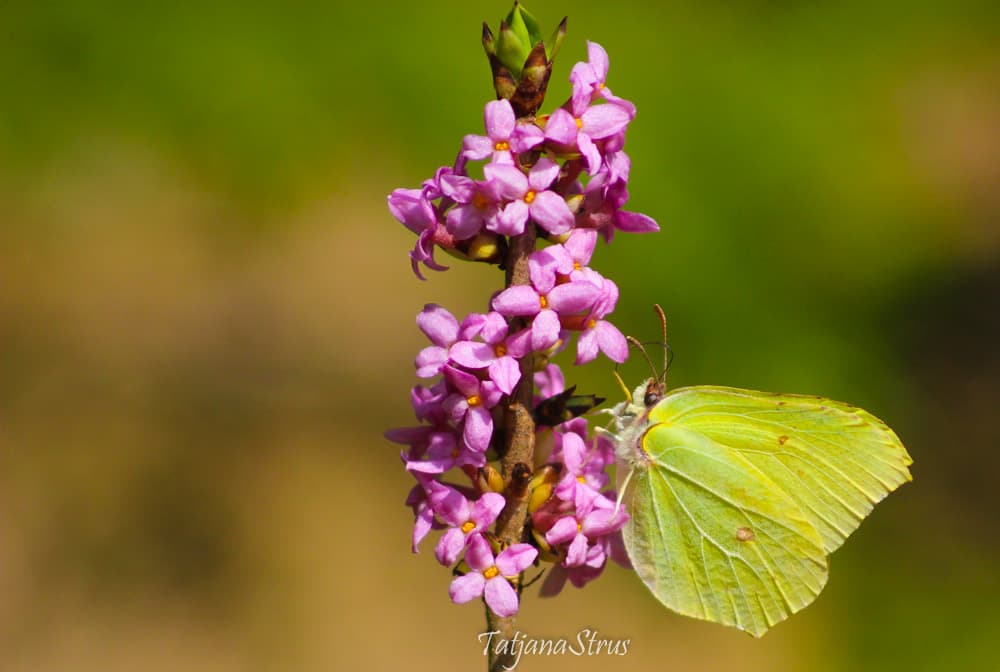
(745,534)
(782,439)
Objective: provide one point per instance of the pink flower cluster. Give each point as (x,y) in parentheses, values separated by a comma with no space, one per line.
(567,173)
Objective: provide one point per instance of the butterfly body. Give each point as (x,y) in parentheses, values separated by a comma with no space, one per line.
(736,497)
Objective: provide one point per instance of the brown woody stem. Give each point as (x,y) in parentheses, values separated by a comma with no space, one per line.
(517,462)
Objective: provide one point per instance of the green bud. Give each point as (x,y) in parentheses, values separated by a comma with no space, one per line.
(520,60)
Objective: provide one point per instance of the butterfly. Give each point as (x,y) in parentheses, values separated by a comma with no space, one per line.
(737,497)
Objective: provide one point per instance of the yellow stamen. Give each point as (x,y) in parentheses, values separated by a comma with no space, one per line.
(581,479)
(543,302)
(501,146)
(500,350)
(468,527)
(579,527)
(591,323)
(491,572)
(577,266)
(474,400)
(579,123)
(529,197)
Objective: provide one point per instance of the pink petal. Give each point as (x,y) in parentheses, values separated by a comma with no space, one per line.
(506,373)
(421,526)
(466,588)
(526,136)
(494,328)
(586,347)
(611,342)
(590,152)
(478,429)
(476,147)
(473,355)
(438,324)
(598,59)
(486,509)
(561,127)
(581,244)
(576,554)
(634,222)
(499,119)
(544,173)
(516,558)
(509,180)
(430,360)
(517,301)
(449,546)
(466,383)
(479,556)
(512,219)
(602,121)
(573,297)
(450,505)
(545,330)
(564,530)
(550,211)
(501,597)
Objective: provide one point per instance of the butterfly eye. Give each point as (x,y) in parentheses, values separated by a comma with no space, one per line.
(651,398)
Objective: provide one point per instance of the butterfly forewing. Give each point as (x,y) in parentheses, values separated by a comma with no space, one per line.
(834,460)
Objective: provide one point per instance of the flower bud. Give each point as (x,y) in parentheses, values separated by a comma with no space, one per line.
(520,60)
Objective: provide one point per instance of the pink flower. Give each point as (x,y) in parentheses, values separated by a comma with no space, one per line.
(477,205)
(413,209)
(583,126)
(550,381)
(503,136)
(589,80)
(441,328)
(468,520)
(419,500)
(490,576)
(499,353)
(470,402)
(529,197)
(545,301)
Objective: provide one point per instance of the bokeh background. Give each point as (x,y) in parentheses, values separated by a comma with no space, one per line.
(206,316)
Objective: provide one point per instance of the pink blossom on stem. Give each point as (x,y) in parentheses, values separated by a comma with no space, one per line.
(468,519)
(504,136)
(489,575)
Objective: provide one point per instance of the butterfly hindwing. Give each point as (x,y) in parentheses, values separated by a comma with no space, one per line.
(714,538)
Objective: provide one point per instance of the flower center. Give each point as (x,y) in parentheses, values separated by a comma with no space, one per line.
(529,197)
(469,526)
(579,526)
(543,302)
(581,479)
(491,572)
(480,201)
(600,86)
(579,123)
(501,145)
(500,350)
(474,400)
(591,323)
(577,266)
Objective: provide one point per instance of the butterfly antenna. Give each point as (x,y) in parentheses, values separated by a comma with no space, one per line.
(667,353)
(642,348)
(621,384)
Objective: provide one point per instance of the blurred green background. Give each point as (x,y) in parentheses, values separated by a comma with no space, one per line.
(206,316)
